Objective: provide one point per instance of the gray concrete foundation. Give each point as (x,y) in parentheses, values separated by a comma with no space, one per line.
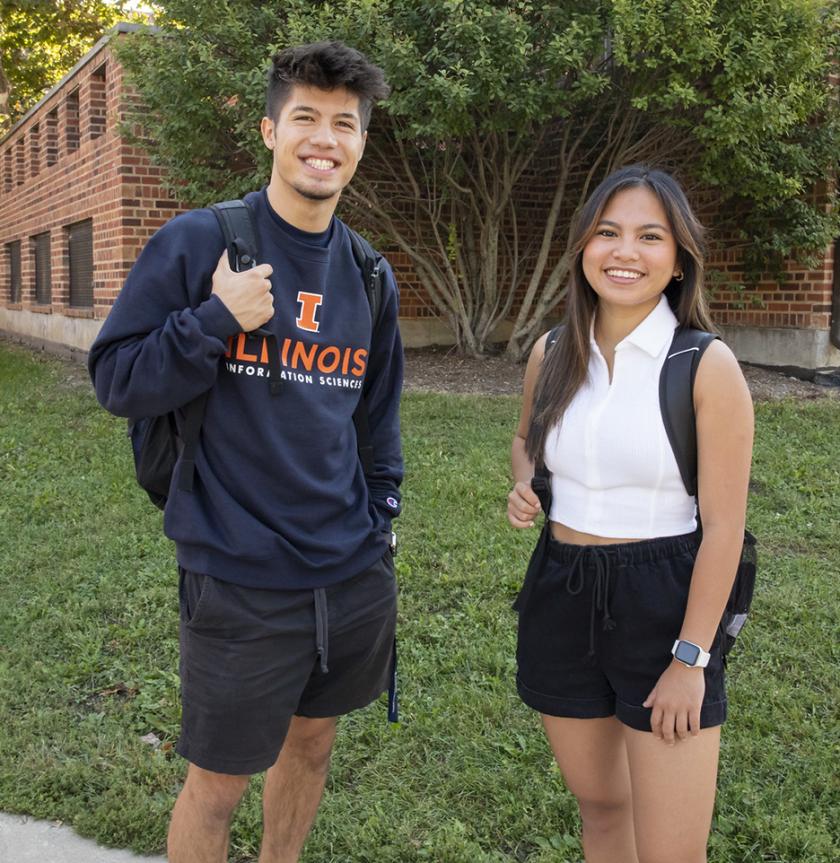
(771,346)
(56,330)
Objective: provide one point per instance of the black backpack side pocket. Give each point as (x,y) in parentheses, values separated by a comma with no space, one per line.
(154,441)
(740,599)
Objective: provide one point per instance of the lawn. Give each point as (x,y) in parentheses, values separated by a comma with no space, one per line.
(88,648)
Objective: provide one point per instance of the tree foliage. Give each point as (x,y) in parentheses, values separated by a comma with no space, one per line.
(40,40)
(505,114)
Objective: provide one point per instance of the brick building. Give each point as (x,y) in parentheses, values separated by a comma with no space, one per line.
(77,203)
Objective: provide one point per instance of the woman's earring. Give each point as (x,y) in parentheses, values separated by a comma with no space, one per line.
(678,277)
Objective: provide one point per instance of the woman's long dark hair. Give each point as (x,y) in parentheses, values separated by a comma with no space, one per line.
(565,366)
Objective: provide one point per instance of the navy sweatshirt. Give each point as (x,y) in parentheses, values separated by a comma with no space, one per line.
(280,499)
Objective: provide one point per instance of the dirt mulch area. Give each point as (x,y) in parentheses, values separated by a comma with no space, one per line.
(441,369)
(768,386)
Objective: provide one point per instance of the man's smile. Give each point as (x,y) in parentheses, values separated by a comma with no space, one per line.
(321,164)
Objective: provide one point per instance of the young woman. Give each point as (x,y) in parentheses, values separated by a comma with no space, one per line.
(626,579)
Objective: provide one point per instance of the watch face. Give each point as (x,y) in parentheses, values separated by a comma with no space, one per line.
(687,653)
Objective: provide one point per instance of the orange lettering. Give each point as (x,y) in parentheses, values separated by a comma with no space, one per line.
(229,350)
(240,351)
(360,360)
(299,353)
(346,361)
(285,355)
(323,365)
(308,306)
(264,352)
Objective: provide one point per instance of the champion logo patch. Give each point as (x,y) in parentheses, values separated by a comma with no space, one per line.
(309,304)
(392,502)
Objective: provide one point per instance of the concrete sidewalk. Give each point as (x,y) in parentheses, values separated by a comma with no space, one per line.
(25,840)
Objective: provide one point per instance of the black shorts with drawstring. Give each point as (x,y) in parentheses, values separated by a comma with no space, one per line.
(596,627)
(251,659)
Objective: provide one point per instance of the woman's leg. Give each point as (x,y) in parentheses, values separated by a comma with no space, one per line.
(592,757)
(673,794)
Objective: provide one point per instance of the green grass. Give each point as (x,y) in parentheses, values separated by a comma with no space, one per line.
(88,648)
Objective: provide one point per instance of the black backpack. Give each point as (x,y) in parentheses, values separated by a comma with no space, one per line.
(160,442)
(676,403)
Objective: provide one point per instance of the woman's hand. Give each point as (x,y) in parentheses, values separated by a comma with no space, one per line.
(523,505)
(676,701)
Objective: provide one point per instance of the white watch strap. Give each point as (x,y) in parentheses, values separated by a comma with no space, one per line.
(702,657)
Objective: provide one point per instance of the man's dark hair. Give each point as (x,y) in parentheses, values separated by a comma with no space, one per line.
(327,66)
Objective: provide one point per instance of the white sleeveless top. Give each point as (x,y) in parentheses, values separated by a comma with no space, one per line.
(613,471)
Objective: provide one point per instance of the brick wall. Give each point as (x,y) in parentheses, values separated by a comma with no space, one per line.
(65,163)
(802,299)
(799,297)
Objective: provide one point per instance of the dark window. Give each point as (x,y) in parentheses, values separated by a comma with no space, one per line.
(35,150)
(98,102)
(13,258)
(81,264)
(51,145)
(71,121)
(43,273)
(20,163)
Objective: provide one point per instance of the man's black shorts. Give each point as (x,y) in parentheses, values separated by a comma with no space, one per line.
(596,627)
(251,659)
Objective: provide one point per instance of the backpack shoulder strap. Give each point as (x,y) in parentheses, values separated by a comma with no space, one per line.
(676,399)
(541,481)
(239,227)
(369,262)
(236,219)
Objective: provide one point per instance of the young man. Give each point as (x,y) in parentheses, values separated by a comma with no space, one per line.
(287,591)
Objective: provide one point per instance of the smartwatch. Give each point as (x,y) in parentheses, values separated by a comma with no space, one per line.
(690,654)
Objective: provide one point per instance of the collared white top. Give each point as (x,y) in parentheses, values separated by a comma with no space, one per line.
(613,471)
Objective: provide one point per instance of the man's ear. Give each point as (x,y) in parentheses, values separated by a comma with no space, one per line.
(267,131)
(364,141)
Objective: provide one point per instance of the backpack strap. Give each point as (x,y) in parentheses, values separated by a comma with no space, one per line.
(370,263)
(236,219)
(238,224)
(676,399)
(541,486)
(541,480)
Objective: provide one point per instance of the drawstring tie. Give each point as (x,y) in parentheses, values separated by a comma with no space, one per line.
(321,627)
(600,588)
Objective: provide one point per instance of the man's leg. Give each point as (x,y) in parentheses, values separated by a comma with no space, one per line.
(362,615)
(198,832)
(293,788)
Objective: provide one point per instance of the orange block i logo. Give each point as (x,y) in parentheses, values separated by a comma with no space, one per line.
(308,307)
